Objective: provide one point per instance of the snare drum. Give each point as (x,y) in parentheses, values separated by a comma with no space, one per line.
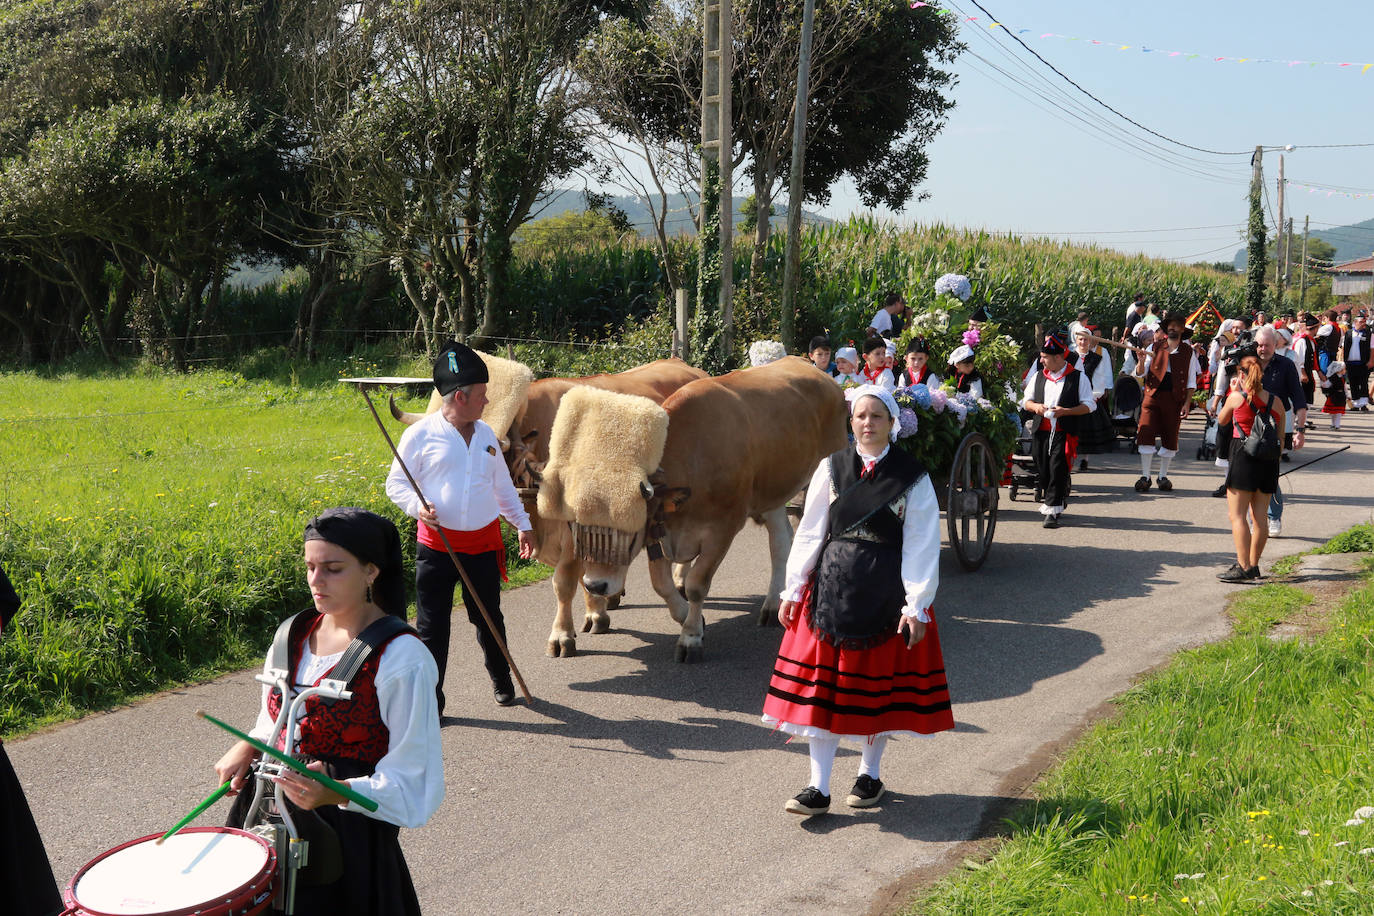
(209,871)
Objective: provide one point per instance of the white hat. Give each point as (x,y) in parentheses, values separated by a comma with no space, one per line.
(963,352)
(848,353)
(1335,368)
(892,348)
(882,394)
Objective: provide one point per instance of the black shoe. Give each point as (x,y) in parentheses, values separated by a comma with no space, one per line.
(808,802)
(1082,464)
(1219,491)
(1165,484)
(1051,521)
(440,698)
(505,692)
(1286,457)
(1253,574)
(1236,573)
(866,793)
(1142,485)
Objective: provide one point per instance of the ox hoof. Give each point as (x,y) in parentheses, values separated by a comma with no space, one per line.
(689,654)
(563,647)
(599,624)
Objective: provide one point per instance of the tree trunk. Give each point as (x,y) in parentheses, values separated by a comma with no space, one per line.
(763,211)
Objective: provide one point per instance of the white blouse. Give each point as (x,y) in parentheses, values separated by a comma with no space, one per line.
(920,515)
(408,784)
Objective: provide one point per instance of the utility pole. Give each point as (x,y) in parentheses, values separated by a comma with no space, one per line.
(792,265)
(1279,267)
(716,238)
(1287,256)
(1302,273)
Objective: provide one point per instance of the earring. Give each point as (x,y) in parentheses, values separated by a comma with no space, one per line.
(369,593)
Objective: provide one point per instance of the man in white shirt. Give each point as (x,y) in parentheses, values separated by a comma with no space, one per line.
(1058,394)
(457,461)
(881,325)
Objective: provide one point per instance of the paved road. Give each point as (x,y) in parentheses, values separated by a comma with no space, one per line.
(639,785)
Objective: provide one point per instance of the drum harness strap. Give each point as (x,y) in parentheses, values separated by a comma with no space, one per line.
(375,635)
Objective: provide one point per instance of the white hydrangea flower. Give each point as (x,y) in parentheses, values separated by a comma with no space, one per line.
(763,352)
(954,285)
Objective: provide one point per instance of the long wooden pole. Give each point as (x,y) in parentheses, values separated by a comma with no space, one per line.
(792,264)
(491,624)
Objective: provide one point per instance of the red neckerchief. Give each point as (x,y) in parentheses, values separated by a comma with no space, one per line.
(1062,372)
(873,377)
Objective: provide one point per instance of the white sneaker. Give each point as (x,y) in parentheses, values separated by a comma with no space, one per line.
(1275,527)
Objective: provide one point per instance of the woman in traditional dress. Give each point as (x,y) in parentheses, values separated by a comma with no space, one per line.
(1095,432)
(384,742)
(1250,481)
(25,874)
(861,655)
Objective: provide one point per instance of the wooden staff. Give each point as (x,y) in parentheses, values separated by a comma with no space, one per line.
(472,591)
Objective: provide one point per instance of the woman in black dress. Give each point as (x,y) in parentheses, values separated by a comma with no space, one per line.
(1250,482)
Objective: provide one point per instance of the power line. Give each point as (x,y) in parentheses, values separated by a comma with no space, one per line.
(1119,114)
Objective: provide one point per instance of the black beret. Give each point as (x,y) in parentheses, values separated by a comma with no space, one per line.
(457,367)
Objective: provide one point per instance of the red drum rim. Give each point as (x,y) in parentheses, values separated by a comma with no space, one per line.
(248,899)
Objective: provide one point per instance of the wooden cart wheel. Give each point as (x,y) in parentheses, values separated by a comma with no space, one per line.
(971,500)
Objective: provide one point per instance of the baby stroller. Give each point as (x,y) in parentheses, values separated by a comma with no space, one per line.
(1126,400)
(1207,451)
(1024,473)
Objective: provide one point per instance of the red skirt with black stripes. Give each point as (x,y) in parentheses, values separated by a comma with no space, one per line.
(888,688)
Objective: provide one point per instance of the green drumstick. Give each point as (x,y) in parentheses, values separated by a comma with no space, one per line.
(196,811)
(294,764)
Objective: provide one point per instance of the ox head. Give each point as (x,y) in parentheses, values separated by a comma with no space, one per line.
(606,553)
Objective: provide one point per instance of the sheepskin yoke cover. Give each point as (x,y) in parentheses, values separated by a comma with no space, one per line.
(602,450)
(506,388)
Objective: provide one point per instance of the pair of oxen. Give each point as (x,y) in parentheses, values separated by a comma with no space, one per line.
(737,447)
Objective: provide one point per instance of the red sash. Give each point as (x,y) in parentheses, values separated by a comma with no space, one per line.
(483,540)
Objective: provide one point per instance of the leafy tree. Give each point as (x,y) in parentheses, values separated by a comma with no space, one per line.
(879,94)
(1256,257)
(569,231)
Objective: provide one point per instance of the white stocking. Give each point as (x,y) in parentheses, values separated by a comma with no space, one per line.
(873,755)
(822,759)
(1145,459)
(1164,465)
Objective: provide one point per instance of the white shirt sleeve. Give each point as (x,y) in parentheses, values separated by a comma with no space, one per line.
(398,488)
(975,388)
(881,322)
(1085,392)
(1028,393)
(507,499)
(1193,370)
(933,381)
(408,784)
(921,549)
(810,535)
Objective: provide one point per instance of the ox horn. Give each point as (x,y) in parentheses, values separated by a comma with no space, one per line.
(646,489)
(409,419)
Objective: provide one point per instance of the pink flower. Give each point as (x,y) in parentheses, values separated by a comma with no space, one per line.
(971,337)
(938,400)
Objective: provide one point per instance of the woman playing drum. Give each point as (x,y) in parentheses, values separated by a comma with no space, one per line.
(384,742)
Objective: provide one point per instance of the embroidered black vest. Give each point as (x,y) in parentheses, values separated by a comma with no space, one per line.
(1068,397)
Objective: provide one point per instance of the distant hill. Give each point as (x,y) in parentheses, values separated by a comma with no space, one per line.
(679,214)
(1351,242)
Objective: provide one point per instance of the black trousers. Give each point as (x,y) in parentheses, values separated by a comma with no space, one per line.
(1359,379)
(1052,467)
(435,581)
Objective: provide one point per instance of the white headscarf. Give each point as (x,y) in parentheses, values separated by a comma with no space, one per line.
(882,394)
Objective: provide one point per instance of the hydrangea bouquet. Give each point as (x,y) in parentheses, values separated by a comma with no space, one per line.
(934,421)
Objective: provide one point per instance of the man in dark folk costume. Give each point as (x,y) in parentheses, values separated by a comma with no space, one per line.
(1058,394)
(384,742)
(1358,360)
(1168,370)
(457,461)
(860,657)
(26,878)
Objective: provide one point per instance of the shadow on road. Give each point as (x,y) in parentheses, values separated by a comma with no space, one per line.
(929,818)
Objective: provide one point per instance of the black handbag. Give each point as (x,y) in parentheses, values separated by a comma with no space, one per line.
(1263,442)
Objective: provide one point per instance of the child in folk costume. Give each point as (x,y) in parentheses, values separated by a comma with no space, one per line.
(1059,395)
(1168,371)
(966,378)
(875,370)
(861,655)
(847,366)
(917,371)
(1334,389)
(819,354)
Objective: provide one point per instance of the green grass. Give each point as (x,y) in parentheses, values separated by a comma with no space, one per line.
(151,522)
(1224,786)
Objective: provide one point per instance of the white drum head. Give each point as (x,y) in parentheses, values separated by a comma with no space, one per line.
(188,870)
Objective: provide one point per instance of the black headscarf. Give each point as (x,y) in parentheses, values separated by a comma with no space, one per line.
(372,539)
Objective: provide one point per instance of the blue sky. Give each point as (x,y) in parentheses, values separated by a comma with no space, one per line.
(1004,162)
